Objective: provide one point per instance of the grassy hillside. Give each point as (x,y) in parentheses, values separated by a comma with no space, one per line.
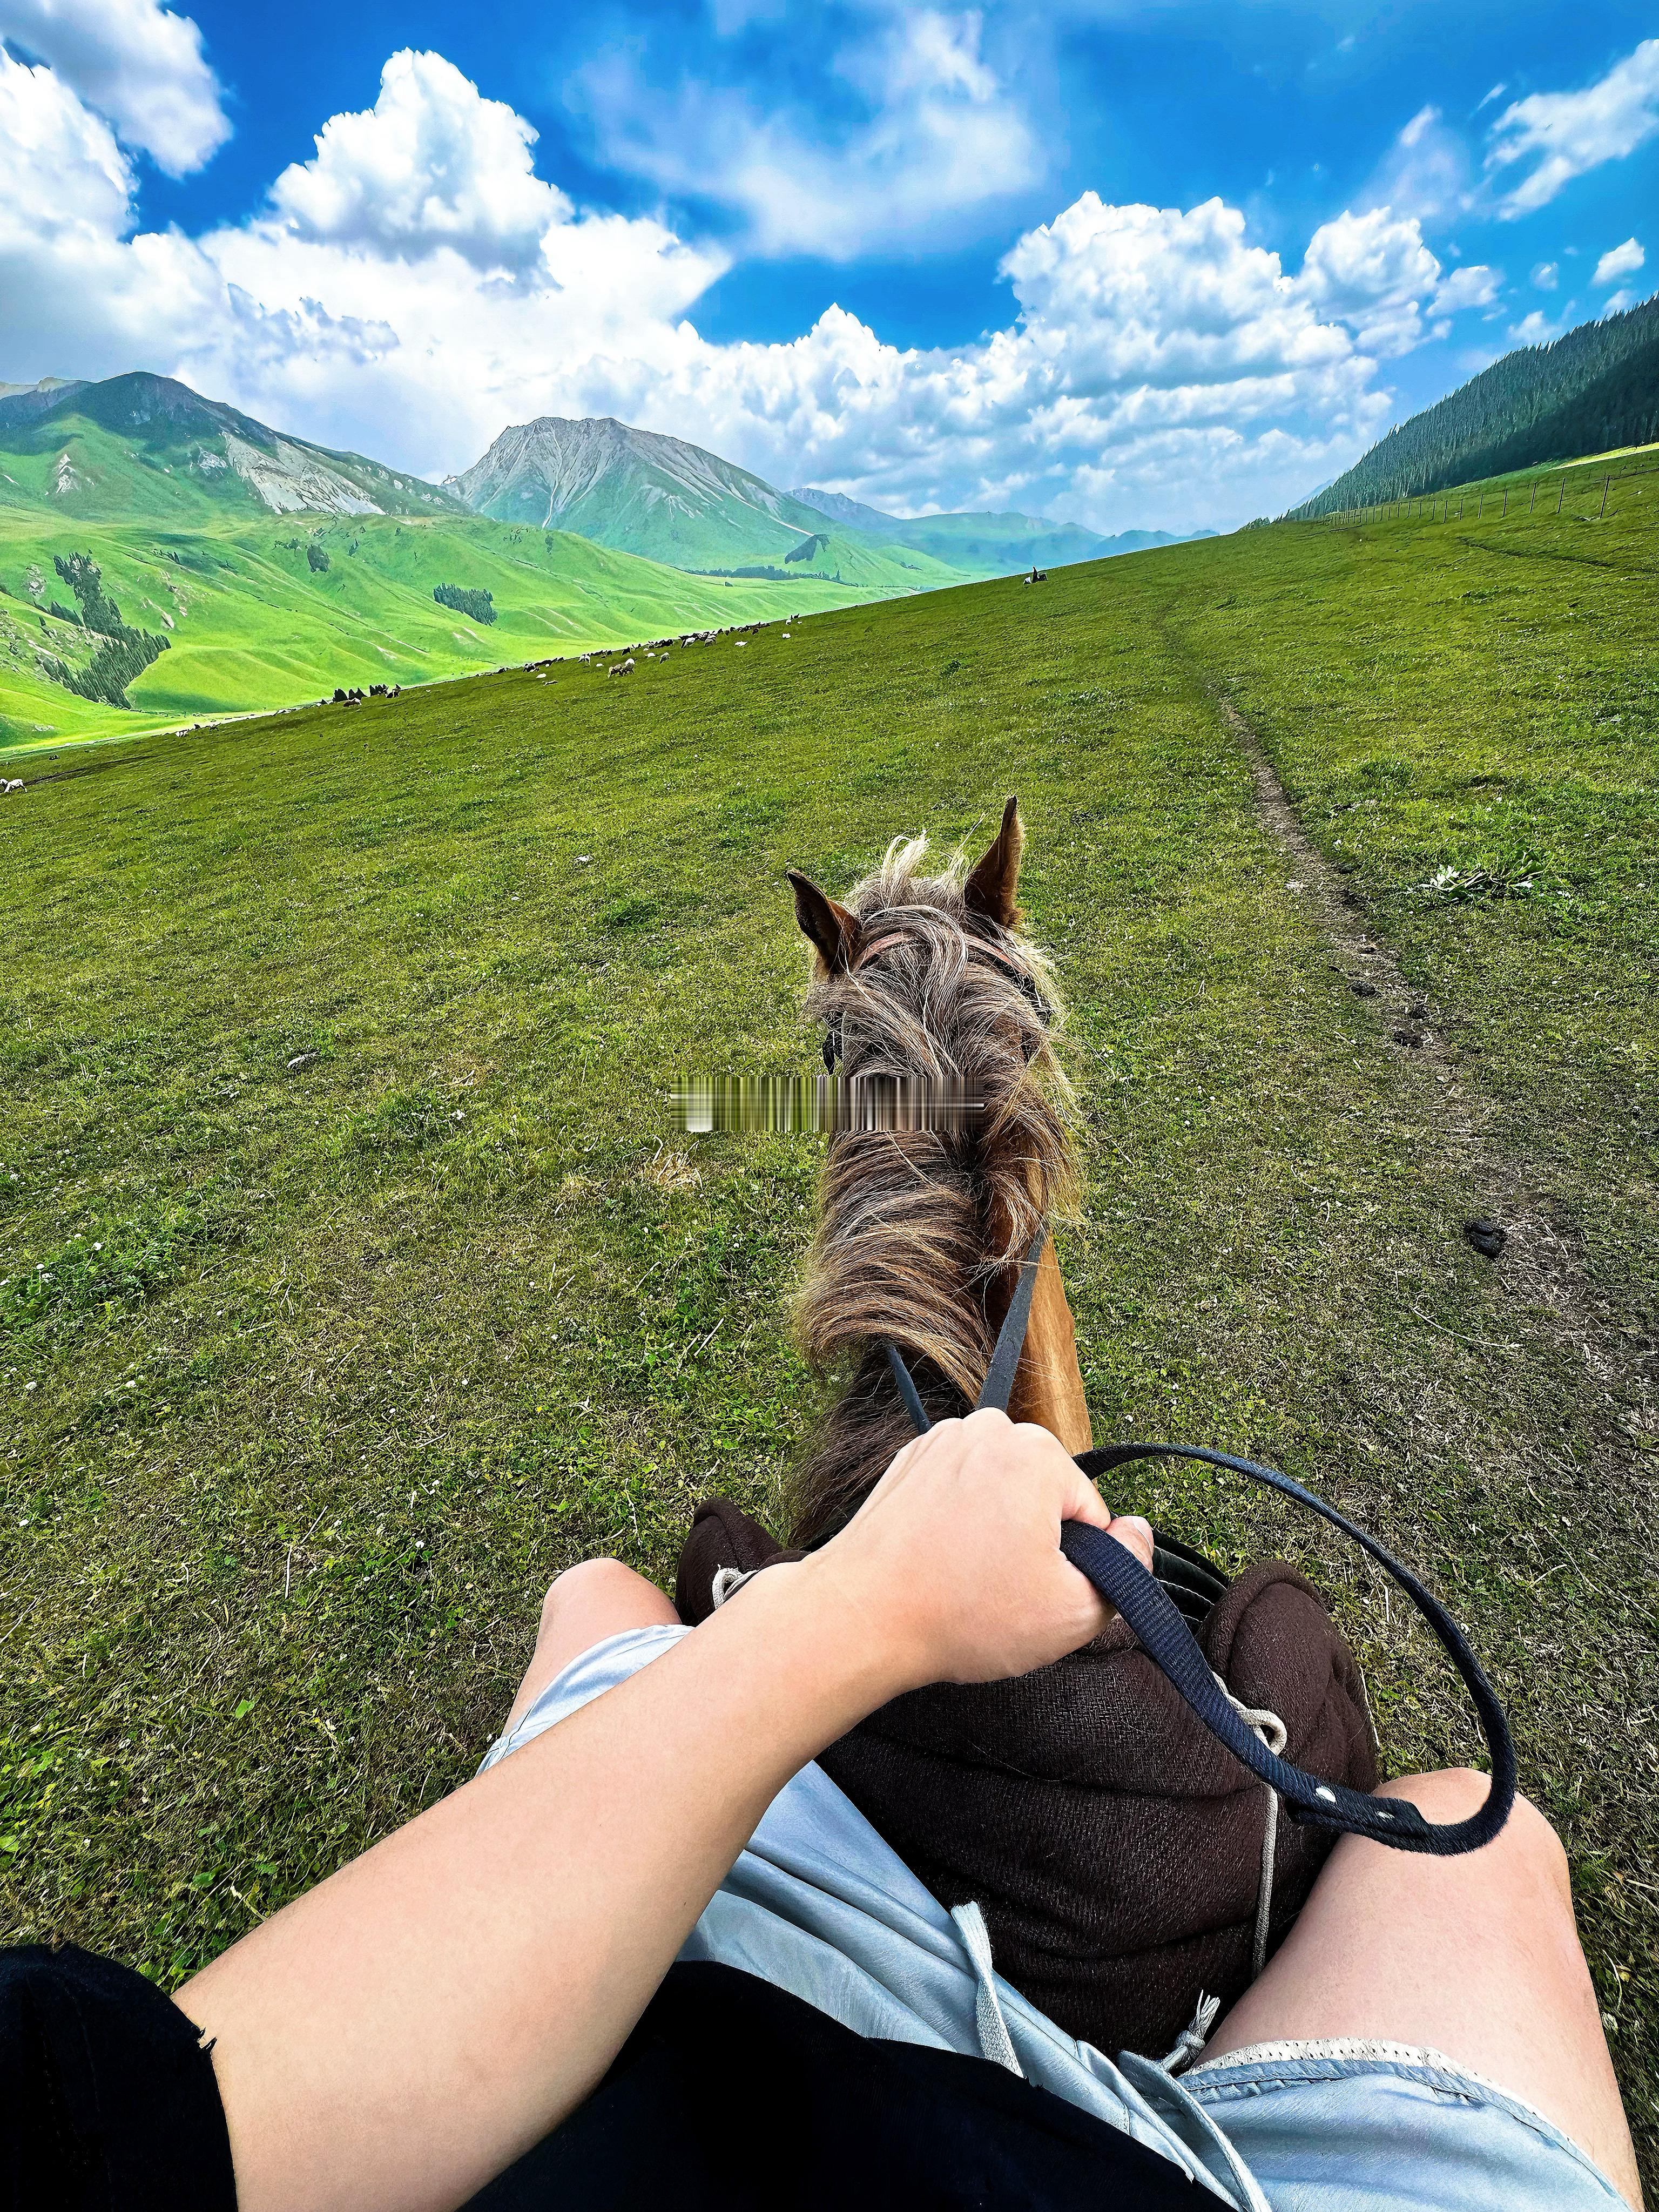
(269,614)
(353,1281)
(148,448)
(242,570)
(832,554)
(1596,388)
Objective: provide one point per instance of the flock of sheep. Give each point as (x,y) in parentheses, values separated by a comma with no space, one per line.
(660,648)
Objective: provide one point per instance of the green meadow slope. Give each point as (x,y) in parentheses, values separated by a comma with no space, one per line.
(253,570)
(253,620)
(353,1281)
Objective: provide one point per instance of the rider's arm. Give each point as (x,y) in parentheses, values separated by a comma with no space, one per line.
(400,2034)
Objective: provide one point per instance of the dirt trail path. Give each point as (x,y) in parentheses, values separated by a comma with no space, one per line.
(1540,1260)
(1583,1693)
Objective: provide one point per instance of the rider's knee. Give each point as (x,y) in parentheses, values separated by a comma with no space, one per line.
(592,1582)
(1454,1793)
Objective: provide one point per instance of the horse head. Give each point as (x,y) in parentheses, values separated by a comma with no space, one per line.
(932,979)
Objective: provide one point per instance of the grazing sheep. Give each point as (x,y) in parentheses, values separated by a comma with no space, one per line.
(16,784)
(622,667)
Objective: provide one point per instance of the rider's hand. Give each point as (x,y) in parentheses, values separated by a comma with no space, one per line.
(954,1558)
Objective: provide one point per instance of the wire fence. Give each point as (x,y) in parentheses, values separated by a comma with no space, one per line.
(1469,502)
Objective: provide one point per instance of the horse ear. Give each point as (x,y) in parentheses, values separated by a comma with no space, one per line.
(990,889)
(831,928)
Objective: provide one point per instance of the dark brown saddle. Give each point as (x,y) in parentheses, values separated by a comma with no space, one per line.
(1127,1863)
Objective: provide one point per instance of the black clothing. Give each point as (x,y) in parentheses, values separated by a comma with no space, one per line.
(733,2096)
(107,2099)
(729,2096)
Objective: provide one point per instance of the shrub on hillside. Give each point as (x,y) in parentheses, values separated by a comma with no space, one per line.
(478,606)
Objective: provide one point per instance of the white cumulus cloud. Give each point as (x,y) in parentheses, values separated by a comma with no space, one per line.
(934,137)
(431,164)
(1474,285)
(416,287)
(133,61)
(1375,272)
(1564,134)
(1618,262)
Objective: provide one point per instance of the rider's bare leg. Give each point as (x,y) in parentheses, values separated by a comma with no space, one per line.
(585,1604)
(1476,1957)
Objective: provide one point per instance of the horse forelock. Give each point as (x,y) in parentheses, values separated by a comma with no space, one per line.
(918,1229)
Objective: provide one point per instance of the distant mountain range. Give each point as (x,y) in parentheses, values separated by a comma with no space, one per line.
(670,501)
(165,555)
(1589,392)
(989,545)
(164,558)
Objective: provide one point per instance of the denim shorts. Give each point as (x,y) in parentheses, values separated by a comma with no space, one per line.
(818,1905)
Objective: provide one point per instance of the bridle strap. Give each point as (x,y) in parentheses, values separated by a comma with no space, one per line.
(1171,1644)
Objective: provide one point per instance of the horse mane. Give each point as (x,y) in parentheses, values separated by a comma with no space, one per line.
(920,1229)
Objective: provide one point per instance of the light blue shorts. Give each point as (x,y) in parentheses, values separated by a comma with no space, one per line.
(818,1905)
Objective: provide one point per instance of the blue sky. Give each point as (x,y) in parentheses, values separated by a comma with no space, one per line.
(1132,265)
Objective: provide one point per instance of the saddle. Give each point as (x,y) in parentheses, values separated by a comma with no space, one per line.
(1125,1863)
(1116,1816)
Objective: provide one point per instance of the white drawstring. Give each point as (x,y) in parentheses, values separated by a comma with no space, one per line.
(1267,1727)
(1194,2037)
(727,1579)
(994,2041)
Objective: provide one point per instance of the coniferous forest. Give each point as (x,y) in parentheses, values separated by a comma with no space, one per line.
(1594,389)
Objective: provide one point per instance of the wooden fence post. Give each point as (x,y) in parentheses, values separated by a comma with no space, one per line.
(1602,509)
(1506,503)
(1562,493)
(1534,501)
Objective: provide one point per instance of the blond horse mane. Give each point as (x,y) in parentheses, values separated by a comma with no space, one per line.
(919,1231)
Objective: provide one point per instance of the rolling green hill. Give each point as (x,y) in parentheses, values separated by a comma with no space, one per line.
(353,1278)
(672,502)
(1593,390)
(142,448)
(272,614)
(164,558)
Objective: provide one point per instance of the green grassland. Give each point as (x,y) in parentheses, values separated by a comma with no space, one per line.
(252,621)
(355,1282)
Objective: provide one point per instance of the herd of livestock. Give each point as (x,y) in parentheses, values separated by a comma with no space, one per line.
(619,661)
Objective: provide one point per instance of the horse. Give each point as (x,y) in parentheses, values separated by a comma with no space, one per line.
(1042,1799)
(920,1232)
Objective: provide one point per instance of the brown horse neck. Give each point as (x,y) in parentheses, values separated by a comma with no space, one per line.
(1048,1385)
